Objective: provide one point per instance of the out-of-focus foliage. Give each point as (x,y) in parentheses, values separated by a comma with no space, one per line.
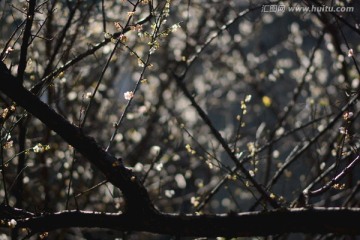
(271,83)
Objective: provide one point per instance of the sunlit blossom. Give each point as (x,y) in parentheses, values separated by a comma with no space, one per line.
(8,145)
(39,148)
(195,201)
(141,63)
(88,95)
(348,115)
(169,193)
(9,50)
(137,27)
(123,38)
(43,235)
(12,223)
(343,130)
(4,113)
(118,26)
(128,95)
(130,14)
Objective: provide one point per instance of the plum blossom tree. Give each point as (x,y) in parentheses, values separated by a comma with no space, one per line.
(174,119)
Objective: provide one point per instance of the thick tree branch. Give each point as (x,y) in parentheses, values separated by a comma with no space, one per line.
(280,221)
(135,194)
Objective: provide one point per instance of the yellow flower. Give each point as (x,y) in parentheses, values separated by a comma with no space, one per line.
(266,101)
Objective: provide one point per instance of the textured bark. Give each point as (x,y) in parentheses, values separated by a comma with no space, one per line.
(301,220)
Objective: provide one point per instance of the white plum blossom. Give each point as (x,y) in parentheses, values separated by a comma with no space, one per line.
(12,223)
(128,95)
(39,148)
